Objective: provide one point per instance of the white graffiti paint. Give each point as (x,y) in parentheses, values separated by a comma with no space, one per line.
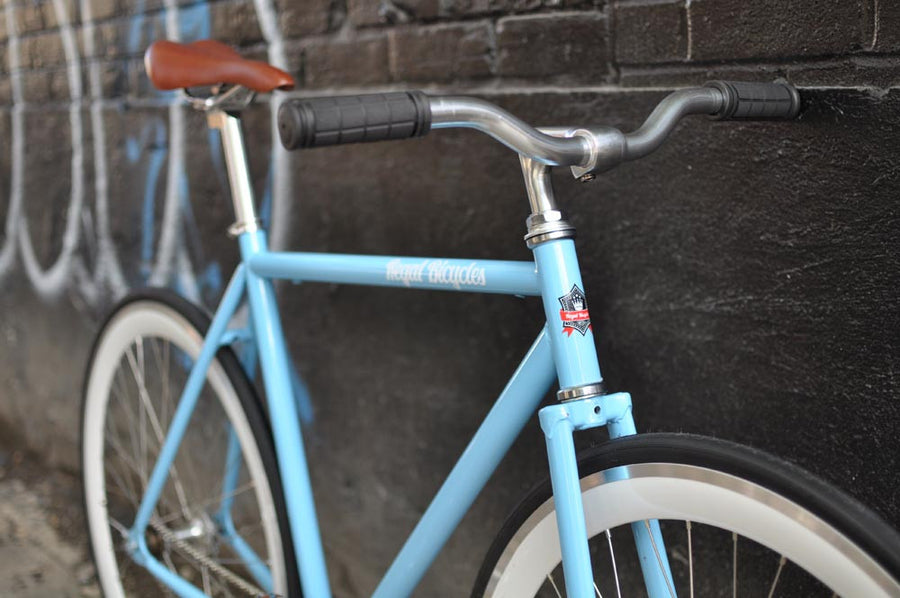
(17,142)
(107,268)
(89,224)
(690,26)
(876,24)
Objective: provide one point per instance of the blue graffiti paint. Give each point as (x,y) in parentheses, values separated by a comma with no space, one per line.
(134,148)
(151,145)
(194,23)
(211,277)
(265,208)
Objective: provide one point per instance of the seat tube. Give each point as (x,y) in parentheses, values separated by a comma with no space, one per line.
(273,357)
(285,420)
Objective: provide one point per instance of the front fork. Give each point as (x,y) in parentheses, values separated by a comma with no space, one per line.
(558,423)
(584,403)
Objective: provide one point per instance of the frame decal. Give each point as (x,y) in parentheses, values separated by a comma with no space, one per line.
(436,272)
(574,313)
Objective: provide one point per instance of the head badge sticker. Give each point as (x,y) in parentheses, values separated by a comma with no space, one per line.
(574,312)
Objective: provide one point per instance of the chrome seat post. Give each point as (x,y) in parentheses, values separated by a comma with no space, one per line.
(220,108)
(238,171)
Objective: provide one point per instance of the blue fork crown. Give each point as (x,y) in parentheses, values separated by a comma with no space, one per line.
(558,422)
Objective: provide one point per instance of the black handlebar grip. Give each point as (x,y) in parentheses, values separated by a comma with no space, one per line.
(761,101)
(317,122)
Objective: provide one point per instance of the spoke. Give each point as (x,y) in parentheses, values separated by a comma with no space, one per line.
(118,492)
(612,555)
(138,373)
(133,423)
(163,359)
(142,422)
(217,492)
(734,537)
(123,456)
(162,366)
(659,560)
(139,378)
(125,486)
(781,563)
(205,503)
(553,583)
(596,589)
(123,531)
(690,558)
(249,530)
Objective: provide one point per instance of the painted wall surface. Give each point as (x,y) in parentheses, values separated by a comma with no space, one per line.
(743,280)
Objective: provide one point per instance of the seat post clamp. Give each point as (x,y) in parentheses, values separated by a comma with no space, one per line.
(244,226)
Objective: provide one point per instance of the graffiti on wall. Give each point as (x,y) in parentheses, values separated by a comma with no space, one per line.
(169,256)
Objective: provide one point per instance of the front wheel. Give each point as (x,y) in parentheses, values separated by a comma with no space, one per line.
(735,522)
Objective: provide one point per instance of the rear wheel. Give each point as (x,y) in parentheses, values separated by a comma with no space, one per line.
(226,536)
(735,522)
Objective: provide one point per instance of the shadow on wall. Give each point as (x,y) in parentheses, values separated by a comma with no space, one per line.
(87,260)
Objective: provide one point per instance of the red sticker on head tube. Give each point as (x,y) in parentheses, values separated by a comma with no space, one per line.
(574,312)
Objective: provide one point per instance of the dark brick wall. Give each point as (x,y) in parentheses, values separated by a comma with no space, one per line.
(743,280)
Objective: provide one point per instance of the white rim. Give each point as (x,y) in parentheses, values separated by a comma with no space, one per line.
(152,319)
(684,492)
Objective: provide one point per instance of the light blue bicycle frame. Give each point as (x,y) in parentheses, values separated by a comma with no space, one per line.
(560,353)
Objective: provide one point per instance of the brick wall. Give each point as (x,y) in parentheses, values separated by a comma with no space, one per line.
(353,44)
(742,279)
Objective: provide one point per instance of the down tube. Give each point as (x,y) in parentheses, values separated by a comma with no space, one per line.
(518,401)
(285,420)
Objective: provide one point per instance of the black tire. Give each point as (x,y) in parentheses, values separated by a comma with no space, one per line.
(187,314)
(761,474)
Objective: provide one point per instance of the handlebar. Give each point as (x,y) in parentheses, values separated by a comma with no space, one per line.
(316,122)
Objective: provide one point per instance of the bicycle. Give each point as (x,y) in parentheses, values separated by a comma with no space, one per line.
(189,477)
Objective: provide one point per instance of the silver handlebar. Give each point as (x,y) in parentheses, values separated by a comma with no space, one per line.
(586,150)
(462,112)
(702,100)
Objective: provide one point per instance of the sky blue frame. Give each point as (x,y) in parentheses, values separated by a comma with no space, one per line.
(565,355)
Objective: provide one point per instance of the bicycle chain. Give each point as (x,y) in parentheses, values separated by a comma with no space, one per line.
(169,538)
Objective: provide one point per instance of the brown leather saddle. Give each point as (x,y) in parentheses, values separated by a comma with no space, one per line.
(171,65)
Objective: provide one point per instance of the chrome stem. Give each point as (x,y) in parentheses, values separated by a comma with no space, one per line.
(537,185)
